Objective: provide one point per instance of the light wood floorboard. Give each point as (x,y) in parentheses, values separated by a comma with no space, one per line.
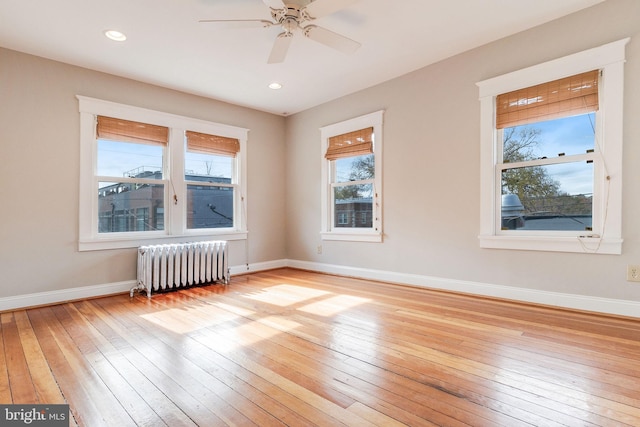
(295,348)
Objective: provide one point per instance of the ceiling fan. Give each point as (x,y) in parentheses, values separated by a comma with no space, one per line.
(293,15)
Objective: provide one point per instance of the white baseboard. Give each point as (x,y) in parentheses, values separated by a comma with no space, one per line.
(557,299)
(63,295)
(571,301)
(260,266)
(55,297)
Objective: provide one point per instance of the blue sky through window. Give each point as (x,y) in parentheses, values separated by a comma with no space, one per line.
(570,136)
(120,159)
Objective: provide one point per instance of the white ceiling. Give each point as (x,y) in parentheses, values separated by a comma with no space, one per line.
(167,46)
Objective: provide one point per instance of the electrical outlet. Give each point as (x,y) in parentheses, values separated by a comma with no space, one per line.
(319,249)
(633,273)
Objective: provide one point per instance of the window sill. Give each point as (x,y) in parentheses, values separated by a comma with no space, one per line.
(589,245)
(134,242)
(352,236)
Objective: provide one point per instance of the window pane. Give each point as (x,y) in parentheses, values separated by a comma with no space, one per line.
(209,206)
(354,168)
(552,197)
(353,206)
(569,135)
(126,159)
(142,219)
(207,165)
(124,207)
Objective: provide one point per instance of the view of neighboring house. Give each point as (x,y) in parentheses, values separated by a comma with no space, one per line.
(139,207)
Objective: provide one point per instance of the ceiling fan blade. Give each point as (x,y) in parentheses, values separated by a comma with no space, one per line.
(331,39)
(320,8)
(239,23)
(280,48)
(275,4)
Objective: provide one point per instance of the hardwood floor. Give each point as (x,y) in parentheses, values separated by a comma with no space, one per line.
(289,347)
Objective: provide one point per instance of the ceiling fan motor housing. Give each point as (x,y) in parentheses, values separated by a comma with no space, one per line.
(289,18)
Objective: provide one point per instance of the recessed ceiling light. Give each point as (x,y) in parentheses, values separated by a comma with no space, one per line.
(115,35)
(275,86)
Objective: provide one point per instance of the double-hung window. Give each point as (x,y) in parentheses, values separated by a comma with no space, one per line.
(151,177)
(551,155)
(351,179)
(129,175)
(209,176)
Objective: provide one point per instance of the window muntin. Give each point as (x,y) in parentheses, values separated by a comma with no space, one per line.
(351,175)
(606,157)
(134,185)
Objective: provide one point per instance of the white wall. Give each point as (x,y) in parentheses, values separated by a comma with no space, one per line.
(431,172)
(39,179)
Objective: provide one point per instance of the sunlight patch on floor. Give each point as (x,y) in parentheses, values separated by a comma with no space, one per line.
(235,310)
(279,323)
(183,321)
(285,295)
(333,305)
(247,334)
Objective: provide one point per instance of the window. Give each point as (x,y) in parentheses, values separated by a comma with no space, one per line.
(343,219)
(209,172)
(129,173)
(352,176)
(151,175)
(551,158)
(546,148)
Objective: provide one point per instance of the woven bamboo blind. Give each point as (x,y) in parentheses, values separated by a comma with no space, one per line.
(560,98)
(350,144)
(212,144)
(128,131)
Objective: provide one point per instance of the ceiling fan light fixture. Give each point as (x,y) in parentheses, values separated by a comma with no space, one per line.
(289,25)
(115,35)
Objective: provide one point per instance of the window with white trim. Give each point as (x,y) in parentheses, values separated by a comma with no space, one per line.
(351,179)
(551,159)
(209,172)
(151,177)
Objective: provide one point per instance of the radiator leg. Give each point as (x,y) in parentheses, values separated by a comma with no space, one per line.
(139,287)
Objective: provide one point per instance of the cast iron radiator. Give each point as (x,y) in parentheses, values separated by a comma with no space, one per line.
(170,266)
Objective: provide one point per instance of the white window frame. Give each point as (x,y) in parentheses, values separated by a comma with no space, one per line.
(328,232)
(606,237)
(175,224)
